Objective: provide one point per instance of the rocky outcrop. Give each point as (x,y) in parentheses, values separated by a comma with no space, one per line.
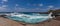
(56,13)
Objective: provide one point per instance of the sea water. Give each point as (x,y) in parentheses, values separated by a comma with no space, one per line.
(29,17)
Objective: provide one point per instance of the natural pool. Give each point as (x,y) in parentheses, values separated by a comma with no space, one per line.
(29,18)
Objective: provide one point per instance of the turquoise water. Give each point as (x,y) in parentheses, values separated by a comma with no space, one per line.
(30,18)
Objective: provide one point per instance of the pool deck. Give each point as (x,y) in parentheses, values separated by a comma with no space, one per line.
(8,22)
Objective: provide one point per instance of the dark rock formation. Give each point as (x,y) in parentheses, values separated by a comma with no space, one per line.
(56,13)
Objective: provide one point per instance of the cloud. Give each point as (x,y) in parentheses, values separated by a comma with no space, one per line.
(37,4)
(51,6)
(17,5)
(28,4)
(4,0)
(30,10)
(3,8)
(40,4)
(56,8)
(4,5)
(34,4)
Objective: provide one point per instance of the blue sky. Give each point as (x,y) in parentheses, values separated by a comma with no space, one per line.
(28,5)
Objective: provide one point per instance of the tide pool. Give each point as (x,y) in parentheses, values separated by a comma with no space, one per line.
(27,18)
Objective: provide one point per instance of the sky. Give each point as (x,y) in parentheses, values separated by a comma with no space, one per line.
(28,5)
